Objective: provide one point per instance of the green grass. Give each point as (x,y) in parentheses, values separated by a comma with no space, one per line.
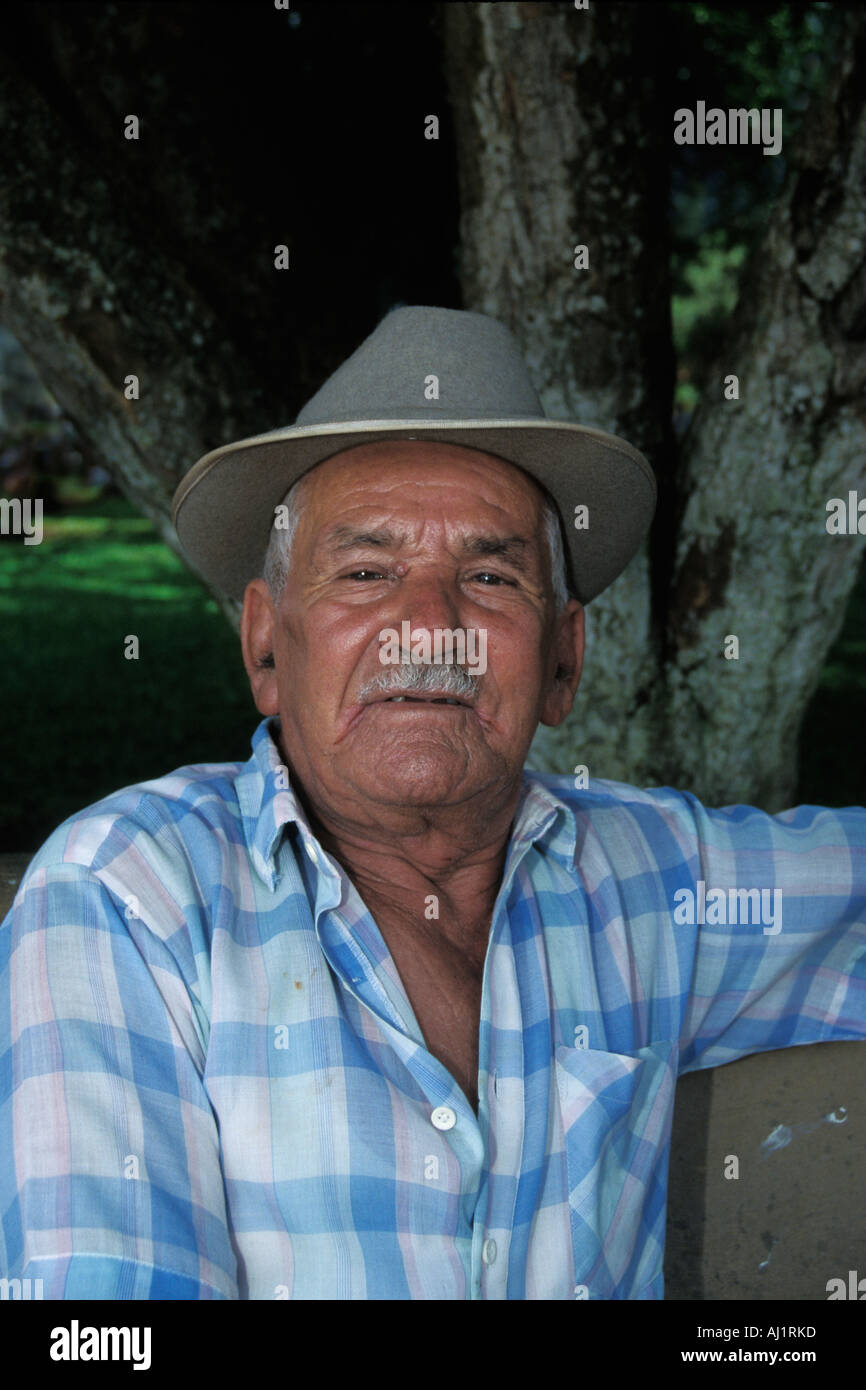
(80,720)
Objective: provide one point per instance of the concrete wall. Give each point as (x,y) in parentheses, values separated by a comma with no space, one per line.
(796,1215)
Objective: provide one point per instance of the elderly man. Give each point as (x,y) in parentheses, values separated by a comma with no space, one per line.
(378,1014)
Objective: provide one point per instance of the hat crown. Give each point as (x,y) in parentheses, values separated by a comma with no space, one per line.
(475,359)
(224,507)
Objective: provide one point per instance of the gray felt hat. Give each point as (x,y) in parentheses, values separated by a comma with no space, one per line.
(223,508)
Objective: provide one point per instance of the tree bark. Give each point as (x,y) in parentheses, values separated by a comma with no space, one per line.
(555,149)
(754,558)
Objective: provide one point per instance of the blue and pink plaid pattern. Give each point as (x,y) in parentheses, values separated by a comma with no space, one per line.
(212,1083)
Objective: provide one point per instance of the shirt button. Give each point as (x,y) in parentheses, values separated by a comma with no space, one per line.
(488,1251)
(443,1117)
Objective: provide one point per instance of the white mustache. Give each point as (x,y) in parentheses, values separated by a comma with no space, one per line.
(413,677)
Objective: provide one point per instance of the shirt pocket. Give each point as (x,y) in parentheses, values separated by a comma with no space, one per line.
(616,1110)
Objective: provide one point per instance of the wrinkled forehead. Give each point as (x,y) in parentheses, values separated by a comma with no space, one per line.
(416,470)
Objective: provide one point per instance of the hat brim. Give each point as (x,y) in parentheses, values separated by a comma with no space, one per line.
(223,508)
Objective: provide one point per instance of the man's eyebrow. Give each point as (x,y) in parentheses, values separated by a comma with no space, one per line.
(348,538)
(510,548)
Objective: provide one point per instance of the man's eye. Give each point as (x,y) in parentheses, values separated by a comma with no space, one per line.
(365,574)
(489,574)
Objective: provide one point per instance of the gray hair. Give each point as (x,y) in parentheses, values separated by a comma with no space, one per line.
(278,555)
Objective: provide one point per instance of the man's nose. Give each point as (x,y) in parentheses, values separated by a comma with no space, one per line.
(429,600)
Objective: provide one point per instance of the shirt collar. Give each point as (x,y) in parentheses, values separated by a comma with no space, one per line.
(269,804)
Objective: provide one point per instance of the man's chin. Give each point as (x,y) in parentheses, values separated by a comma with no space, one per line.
(432,790)
(418,780)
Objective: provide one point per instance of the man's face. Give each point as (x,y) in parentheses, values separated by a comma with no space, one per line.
(440,537)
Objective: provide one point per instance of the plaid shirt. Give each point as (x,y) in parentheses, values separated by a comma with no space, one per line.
(213,1085)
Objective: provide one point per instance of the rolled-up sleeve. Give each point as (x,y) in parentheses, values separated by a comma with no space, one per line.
(111,1185)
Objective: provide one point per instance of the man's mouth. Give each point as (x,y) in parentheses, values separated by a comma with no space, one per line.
(418,701)
(424,700)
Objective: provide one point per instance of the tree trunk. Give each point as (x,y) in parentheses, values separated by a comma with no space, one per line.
(556,149)
(754,558)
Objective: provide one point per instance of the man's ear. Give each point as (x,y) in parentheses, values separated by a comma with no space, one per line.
(566,664)
(258,622)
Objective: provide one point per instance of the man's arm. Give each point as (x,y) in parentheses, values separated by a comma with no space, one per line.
(110,1181)
(780,957)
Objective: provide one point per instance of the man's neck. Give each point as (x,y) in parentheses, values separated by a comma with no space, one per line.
(442,874)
